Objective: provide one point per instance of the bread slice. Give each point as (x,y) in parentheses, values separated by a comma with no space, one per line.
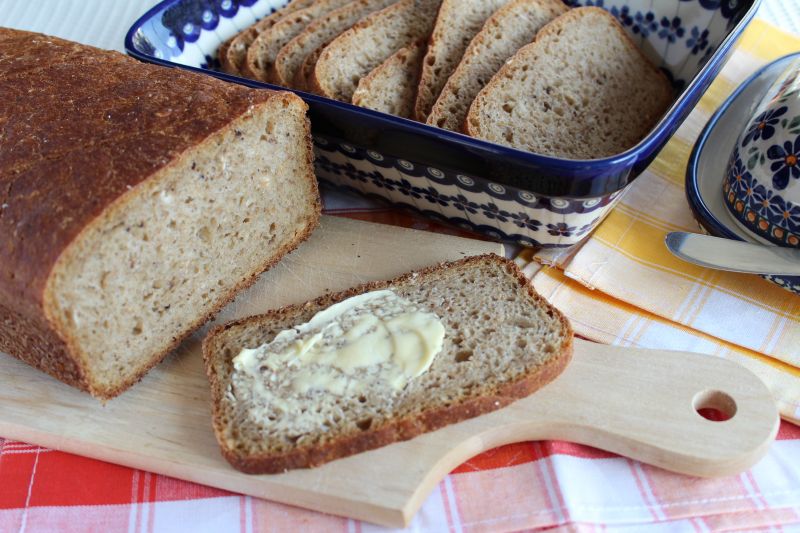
(136,201)
(263,51)
(320,32)
(233,53)
(458,22)
(502,342)
(391,87)
(304,75)
(509,29)
(581,90)
(362,48)
(233,58)
(222,52)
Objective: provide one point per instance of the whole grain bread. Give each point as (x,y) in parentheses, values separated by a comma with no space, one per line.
(581,90)
(304,75)
(507,30)
(502,342)
(232,59)
(264,49)
(134,202)
(391,87)
(320,32)
(457,23)
(362,48)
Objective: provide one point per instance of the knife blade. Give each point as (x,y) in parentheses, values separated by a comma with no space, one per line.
(734,256)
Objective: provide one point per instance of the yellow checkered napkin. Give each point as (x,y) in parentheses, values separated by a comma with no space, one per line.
(623,287)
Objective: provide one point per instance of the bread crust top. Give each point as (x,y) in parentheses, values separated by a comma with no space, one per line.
(80,127)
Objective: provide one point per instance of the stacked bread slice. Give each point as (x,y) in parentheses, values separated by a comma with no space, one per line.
(589,95)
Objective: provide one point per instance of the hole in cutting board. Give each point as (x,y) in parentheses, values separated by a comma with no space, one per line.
(714,405)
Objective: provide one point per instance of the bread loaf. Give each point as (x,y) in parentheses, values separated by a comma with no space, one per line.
(322,31)
(391,87)
(362,48)
(134,202)
(501,342)
(509,29)
(457,23)
(581,90)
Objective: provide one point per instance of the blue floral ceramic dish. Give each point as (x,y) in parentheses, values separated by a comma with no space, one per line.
(762,186)
(709,161)
(504,193)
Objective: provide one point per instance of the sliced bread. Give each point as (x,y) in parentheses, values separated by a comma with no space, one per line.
(320,32)
(509,29)
(264,49)
(362,48)
(457,23)
(391,87)
(304,75)
(233,59)
(501,342)
(222,52)
(136,200)
(581,90)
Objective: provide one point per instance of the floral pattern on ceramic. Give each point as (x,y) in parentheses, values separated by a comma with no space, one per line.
(760,208)
(499,211)
(762,187)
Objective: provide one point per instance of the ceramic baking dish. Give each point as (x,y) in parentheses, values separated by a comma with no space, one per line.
(507,194)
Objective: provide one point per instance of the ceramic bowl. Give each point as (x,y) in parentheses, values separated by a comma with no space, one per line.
(709,160)
(506,194)
(761,188)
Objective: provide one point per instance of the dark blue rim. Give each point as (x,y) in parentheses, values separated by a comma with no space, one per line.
(696,203)
(582,169)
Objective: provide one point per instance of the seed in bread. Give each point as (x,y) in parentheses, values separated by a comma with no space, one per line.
(391,87)
(502,342)
(264,49)
(509,29)
(581,90)
(320,32)
(136,200)
(362,48)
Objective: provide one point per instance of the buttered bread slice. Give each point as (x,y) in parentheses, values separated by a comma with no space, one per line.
(380,363)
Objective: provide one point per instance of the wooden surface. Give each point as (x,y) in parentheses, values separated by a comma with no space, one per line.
(639,403)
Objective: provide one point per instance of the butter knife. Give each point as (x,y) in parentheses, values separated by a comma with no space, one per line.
(734,256)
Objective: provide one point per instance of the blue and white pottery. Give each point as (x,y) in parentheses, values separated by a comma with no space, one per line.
(762,185)
(507,194)
(709,160)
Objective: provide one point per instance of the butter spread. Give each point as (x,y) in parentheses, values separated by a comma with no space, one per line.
(372,338)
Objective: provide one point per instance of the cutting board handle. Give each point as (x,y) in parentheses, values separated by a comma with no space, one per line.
(643,404)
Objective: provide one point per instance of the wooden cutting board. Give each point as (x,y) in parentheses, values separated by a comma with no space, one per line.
(639,403)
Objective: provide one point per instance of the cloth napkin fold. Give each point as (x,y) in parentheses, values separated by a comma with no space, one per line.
(622,286)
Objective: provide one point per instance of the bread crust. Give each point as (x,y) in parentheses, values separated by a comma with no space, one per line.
(47,166)
(395,430)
